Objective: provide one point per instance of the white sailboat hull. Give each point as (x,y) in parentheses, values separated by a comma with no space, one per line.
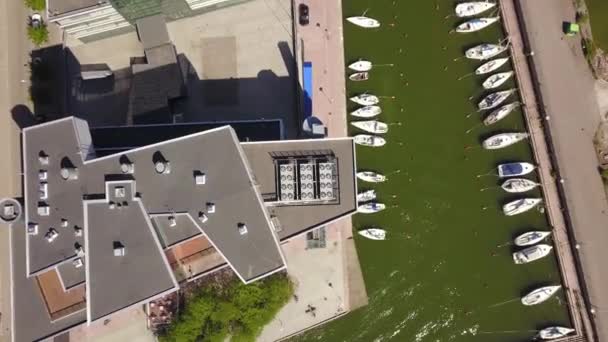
(469,9)
(371,126)
(364,22)
(530,238)
(485,51)
(497,80)
(366,196)
(514,169)
(370,208)
(503,140)
(369,140)
(361,66)
(373,233)
(495,99)
(365,99)
(531,254)
(518,185)
(539,295)
(367,112)
(520,206)
(490,66)
(371,177)
(476,24)
(552,333)
(500,113)
(359,76)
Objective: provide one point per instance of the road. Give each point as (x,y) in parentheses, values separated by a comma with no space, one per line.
(567,91)
(13,91)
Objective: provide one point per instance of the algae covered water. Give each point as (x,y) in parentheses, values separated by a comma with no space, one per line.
(445,273)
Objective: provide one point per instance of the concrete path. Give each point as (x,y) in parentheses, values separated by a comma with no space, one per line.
(567,92)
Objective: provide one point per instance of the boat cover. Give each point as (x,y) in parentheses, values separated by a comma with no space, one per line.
(511,169)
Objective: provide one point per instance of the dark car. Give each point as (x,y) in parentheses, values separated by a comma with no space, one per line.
(304,19)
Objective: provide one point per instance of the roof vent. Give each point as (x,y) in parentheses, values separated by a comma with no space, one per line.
(126,166)
(202,217)
(51,235)
(125,204)
(161,165)
(120,192)
(172,221)
(77,231)
(43,209)
(43,158)
(43,190)
(64,222)
(200,178)
(119,205)
(211,208)
(77,263)
(111,205)
(42,175)
(32,228)
(69,173)
(119,249)
(78,249)
(242,228)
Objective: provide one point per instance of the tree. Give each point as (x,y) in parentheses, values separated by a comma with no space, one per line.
(38,35)
(36,5)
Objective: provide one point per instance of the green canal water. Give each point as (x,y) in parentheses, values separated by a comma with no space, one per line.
(440,276)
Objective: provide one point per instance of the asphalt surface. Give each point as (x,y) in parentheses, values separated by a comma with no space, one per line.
(567,90)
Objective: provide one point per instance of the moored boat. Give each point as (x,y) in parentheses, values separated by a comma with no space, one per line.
(530,238)
(371,126)
(520,206)
(503,140)
(476,24)
(485,51)
(373,233)
(370,208)
(517,185)
(359,76)
(369,140)
(552,333)
(361,65)
(531,254)
(469,9)
(514,169)
(500,113)
(367,112)
(371,176)
(363,21)
(495,99)
(366,196)
(365,99)
(490,66)
(539,295)
(497,80)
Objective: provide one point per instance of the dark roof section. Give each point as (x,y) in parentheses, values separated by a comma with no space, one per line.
(295,219)
(125,262)
(30,319)
(175,228)
(70,275)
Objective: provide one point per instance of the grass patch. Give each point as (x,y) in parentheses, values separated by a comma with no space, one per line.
(38,35)
(238,310)
(36,5)
(598,15)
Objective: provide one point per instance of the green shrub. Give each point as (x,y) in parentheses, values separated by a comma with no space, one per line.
(604,174)
(38,35)
(36,5)
(240,311)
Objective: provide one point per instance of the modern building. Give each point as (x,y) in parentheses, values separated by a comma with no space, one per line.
(104,232)
(88,19)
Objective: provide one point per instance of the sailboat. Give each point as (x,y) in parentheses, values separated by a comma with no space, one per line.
(371,126)
(366,196)
(539,295)
(520,206)
(370,208)
(531,238)
(485,51)
(500,113)
(365,99)
(363,21)
(359,76)
(366,112)
(552,333)
(514,169)
(369,140)
(361,65)
(497,80)
(469,9)
(371,176)
(490,66)
(476,24)
(517,185)
(503,140)
(531,254)
(373,233)
(495,99)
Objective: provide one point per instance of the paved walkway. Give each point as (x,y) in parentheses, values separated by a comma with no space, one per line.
(562,121)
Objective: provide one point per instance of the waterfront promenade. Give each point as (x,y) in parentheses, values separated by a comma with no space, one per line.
(547,118)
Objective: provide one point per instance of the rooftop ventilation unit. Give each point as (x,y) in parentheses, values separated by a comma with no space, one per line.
(69,173)
(64,222)
(307,189)
(32,228)
(202,217)
(42,175)
(78,250)
(44,210)
(242,228)
(199,178)
(172,221)
(211,208)
(326,181)
(161,165)
(77,231)
(119,249)
(127,167)
(51,235)
(43,158)
(120,192)
(111,205)
(287,182)
(77,263)
(43,190)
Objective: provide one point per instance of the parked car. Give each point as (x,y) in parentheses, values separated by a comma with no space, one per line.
(304,18)
(36,20)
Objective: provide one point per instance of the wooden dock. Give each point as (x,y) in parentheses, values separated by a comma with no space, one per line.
(536,121)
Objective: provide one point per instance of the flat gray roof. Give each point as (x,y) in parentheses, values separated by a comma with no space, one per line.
(184,229)
(59,7)
(70,275)
(142,273)
(295,219)
(152,31)
(30,319)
